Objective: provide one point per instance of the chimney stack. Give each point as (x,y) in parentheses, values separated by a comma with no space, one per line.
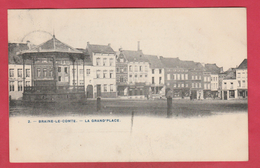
(109,44)
(138,46)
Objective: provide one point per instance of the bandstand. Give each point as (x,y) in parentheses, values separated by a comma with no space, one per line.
(53,64)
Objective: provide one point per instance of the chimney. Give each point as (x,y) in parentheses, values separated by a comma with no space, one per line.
(138,46)
(109,44)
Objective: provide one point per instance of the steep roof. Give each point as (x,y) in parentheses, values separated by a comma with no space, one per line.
(104,49)
(154,61)
(231,73)
(14,50)
(170,62)
(243,65)
(213,68)
(134,56)
(53,45)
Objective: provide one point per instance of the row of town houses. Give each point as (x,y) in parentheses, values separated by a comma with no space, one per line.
(123,73)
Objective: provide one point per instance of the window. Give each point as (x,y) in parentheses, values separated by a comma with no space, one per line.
(160,80)
(192,85)
(27,83)
(111,88)
(104,61)
(209,79)
(98,73)
(238,74)
(182,85)
(186,76)
(11,72)
(141,76)
(98,61)
(146,76)
(243,83)
(182,76)
(50,73)
(146,68)
(208,85)
(140,68)
(111,74)
(130,76)
(179,85)
(135,75)
(174,85)
(160,71)
(199,85)
(152,71)
(196,85)
(38,72)
(231,94)
(174,76)
(59,69)
(44,72)
(130,68)
(105,87)
(27,72)
(20,86)
(178,76)
(88,72)
(205,78)
(121,60)
(187,85)
(239,83)
(11,85)
(168,76)
(205,86)
(121,79)
(81,71)
(66,70)
(152,80)
(111,61)
(122,70)
(117,70)
(196,77)
(66,79)
(192,77)
(105,74)
(59,78)
(19,72)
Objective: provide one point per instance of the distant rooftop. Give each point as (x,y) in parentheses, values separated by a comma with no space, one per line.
(134,56)
(243,65)
(103,49)
(154,61)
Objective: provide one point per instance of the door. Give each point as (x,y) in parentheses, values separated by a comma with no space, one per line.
(89,91)
(225,95)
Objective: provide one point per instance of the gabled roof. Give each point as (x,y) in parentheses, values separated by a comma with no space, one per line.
(231,73)
(170,62)
(154,61)
(53,45)
(213,68)
(243,65)
(134,56)
(103,49)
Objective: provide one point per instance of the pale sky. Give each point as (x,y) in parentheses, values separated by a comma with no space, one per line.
(206,35)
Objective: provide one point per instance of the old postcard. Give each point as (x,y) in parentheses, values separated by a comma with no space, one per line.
(128,85)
